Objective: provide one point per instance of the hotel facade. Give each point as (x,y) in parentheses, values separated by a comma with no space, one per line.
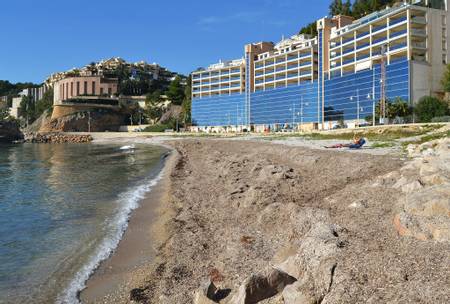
(307,82)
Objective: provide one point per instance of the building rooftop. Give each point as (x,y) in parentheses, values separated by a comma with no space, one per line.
(222,64)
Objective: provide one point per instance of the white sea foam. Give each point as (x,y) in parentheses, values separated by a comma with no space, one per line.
(128,201)
(130,147)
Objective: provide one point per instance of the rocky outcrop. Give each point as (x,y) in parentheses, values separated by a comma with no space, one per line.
(424,207)
(96,121)
(57,138)
(9,132)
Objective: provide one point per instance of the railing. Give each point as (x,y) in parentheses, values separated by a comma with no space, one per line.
(419,19)
(362,57)
(393,35)
(399,20)
(347,40)
(398,46)
(378,28)
(362,35)
(362,46)
(348,51)
(378,40)
(419,44)
(347,61)
(418,32)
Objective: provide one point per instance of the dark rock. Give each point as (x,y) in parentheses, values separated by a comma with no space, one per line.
(9,132)
(138,295)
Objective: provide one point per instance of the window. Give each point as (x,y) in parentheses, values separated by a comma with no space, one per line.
(71,89)
(109,91)
(78,88)
(93,88)
(444,58)
(85,88)
(61,91)
(101,91)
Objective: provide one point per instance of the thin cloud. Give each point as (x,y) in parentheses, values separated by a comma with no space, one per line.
(254,17)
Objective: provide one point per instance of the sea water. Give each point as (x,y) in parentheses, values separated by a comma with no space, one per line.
(63,209)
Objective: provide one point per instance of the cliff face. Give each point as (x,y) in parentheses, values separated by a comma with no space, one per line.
(98,121)
(9,132)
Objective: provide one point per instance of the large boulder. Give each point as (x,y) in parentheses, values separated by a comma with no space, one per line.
(10,131)
(313,265)
(261,286)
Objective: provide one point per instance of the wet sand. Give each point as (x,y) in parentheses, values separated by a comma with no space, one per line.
(133,259)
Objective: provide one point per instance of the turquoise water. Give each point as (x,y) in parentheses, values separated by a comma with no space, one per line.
(63,208)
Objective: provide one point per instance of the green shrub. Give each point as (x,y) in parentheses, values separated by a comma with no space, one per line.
(441,119)
(429,107)
(158,128)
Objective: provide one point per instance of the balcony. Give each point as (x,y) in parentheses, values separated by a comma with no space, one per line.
(348,51)
(348,61)
(378,28)
(397,21)
(362,46)
(362,57)
(396,34)
(419,45)
(347,40)
(418,32)
(376,41)
(362,35)
(397,47)
(419,20)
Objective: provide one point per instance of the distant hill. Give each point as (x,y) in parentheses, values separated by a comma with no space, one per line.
(135,78)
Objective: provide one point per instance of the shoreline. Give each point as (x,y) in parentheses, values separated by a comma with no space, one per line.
(134,256)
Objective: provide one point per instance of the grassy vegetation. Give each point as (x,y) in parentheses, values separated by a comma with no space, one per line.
(382,134)
(427,138)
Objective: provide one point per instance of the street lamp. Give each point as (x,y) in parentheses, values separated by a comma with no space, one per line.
(357,105)
(358,108)
(301,112)
(292,109)
(373,107)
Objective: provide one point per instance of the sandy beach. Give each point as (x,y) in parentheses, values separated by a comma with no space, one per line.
(328,225)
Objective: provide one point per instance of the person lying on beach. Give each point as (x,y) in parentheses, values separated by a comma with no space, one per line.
(356,144)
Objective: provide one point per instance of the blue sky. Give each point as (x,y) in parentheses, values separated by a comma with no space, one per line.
(41,37)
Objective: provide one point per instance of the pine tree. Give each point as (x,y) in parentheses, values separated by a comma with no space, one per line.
(175,92)
(347,8)
(336,7)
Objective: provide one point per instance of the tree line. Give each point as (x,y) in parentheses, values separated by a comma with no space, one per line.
(357,9)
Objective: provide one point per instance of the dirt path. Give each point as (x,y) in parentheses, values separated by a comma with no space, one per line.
(243,206)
